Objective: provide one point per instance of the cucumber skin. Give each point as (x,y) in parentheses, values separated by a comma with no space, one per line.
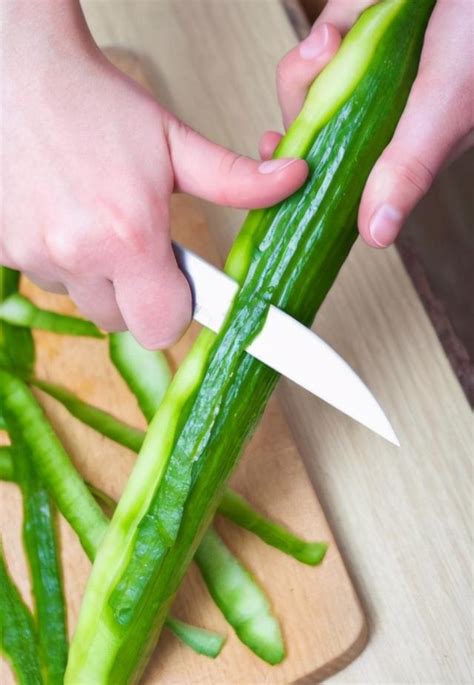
(240,598)
(41,546)
(17,350)
(308,237)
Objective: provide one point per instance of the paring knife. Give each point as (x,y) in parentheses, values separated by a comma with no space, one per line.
(286,346)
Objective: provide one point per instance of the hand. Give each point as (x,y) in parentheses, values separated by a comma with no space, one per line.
(89,164)
(434,129)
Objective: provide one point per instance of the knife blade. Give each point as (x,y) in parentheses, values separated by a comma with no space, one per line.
(286,346)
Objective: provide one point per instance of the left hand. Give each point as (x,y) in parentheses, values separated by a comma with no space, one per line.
(435,128)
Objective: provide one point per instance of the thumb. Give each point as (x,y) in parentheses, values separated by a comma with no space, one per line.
(214,173)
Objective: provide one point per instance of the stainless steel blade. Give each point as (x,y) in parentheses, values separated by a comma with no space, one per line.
(286,346)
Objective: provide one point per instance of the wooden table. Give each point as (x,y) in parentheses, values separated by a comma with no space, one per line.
(436,244)
(402,517)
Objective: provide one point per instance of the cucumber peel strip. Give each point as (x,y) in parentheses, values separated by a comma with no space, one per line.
(17,349)
(240,598)
(98,419)
(201,640)
(232,506)
(147,373)
(29,427)
(18,310)
(235,508)
(18,636)
(41,546)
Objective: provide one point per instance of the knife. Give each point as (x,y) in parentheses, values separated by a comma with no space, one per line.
(312,364)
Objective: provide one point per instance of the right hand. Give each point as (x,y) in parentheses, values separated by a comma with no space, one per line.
(89,163)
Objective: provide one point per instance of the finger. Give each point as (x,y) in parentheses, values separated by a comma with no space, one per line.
(6,259)
(268,144)
(45,284)
(95,299)
(428,132)
(406,169)
(299,67)
(342,14)
(153,295)
(214,173)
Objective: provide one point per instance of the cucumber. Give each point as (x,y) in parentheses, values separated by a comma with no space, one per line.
(289,256)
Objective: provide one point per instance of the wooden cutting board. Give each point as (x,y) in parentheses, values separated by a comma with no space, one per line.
(322,619)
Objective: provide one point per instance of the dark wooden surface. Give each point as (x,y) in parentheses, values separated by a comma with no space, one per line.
(436,245)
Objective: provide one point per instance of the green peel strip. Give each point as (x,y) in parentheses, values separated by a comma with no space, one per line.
(202,641)
(238,510)
(18,637)
(240,598)
(19,311)
(98,419)
(28,426)
(40,541)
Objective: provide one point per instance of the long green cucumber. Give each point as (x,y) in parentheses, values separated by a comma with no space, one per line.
(245,605)
(232,505)
(288,256)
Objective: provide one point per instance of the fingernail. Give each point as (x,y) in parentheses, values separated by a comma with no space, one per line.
(315,44)
(273,165)
(385,225)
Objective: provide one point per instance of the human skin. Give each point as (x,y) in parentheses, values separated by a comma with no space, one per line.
(90,160)
(89,163)
(435,128)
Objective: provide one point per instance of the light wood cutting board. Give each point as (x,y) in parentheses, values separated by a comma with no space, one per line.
(322,620)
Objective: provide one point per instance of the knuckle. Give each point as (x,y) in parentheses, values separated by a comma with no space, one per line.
(416,174)
(178,136)
(128,229)
(228,167)
(178,129)
(130,234)
(20,255)
(229,163)
(63,249)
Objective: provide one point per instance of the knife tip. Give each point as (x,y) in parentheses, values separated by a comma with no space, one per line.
(390,435)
